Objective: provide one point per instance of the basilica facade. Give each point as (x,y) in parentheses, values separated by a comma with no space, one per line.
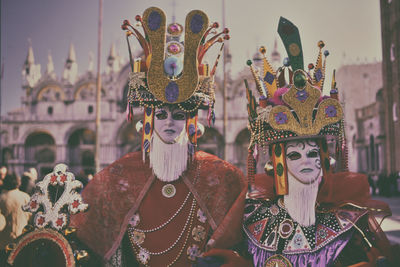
(56,121)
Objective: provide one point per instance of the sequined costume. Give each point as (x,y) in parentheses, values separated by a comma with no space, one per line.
(126,196)
(333,240)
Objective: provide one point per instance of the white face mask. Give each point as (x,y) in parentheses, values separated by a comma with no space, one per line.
(169,123)
(303,160)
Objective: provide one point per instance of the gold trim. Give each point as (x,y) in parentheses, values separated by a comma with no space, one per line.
(304,111)
(156,79)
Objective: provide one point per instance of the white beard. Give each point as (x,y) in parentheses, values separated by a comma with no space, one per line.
(300,202)
(169,161)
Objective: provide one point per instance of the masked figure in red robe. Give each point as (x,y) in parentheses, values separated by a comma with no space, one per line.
(163,205)
(302,213)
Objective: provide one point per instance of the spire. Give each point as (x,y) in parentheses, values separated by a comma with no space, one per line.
(30,71)
(70,72)
(50,66)
(275,55)
(30,58)
(91,64)
(113,60)
(71,54)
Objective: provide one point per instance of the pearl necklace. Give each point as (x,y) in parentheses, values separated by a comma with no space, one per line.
(144,255)
(165,223)
(191,212)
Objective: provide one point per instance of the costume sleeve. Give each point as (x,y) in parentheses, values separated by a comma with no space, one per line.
(359,250)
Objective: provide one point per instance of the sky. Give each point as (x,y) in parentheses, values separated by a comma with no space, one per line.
(350,29)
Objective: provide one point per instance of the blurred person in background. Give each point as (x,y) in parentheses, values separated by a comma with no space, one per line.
(28,181)
(3,172)
(11,202)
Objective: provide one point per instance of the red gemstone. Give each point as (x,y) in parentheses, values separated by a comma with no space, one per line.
(60,222)
(53,178)
(41,220)
(33,204)
(63,178)
(75,204)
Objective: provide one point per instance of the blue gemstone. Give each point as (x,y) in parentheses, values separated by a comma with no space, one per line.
(172,92)
(196,24)
(148,111)
(269,78)
(147,128)
(192,129)
(286,62)
(154,20)
(318,75)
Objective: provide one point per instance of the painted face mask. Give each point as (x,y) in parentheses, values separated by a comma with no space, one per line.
(303,160)
(169,123)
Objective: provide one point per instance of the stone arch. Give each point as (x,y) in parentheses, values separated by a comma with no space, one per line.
(51,93)
(74,128)
(241,148)
(80,150)
(128,139)
(212,142)
(87,91)
(40,149)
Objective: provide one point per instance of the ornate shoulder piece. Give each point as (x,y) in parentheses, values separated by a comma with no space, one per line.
(48,239)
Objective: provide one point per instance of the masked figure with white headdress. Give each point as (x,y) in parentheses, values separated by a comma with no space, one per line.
(305,211)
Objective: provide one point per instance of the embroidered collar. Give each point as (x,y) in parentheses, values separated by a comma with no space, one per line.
(269,226)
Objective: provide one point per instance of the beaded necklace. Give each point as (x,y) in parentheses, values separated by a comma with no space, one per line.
(137,236)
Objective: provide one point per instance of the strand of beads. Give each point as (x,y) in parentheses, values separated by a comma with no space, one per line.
(185,242)
(191,212)
(168,221)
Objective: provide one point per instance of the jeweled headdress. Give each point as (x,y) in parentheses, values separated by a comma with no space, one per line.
(171,71)
(291,110)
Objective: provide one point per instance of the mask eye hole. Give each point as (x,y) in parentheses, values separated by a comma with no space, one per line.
(313,153)
(179,116)
(293,155)
(161,115)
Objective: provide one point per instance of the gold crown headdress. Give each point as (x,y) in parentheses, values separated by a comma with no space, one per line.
(172,72)
(296,110)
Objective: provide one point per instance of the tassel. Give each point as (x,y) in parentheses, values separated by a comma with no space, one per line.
(129,112)
(251,170)
(213,117)
(209,115)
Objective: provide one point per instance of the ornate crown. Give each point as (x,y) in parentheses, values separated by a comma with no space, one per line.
(292,110)
(295,109)
(172,71)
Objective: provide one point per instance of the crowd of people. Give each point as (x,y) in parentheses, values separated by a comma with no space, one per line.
(15,191)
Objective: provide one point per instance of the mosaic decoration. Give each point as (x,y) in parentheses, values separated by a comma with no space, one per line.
(53,214)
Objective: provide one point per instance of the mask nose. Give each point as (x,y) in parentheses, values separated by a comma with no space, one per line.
(170,120)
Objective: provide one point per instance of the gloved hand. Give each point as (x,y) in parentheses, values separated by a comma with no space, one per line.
(230,258)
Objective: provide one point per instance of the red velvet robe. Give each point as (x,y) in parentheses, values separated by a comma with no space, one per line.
(128,186)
